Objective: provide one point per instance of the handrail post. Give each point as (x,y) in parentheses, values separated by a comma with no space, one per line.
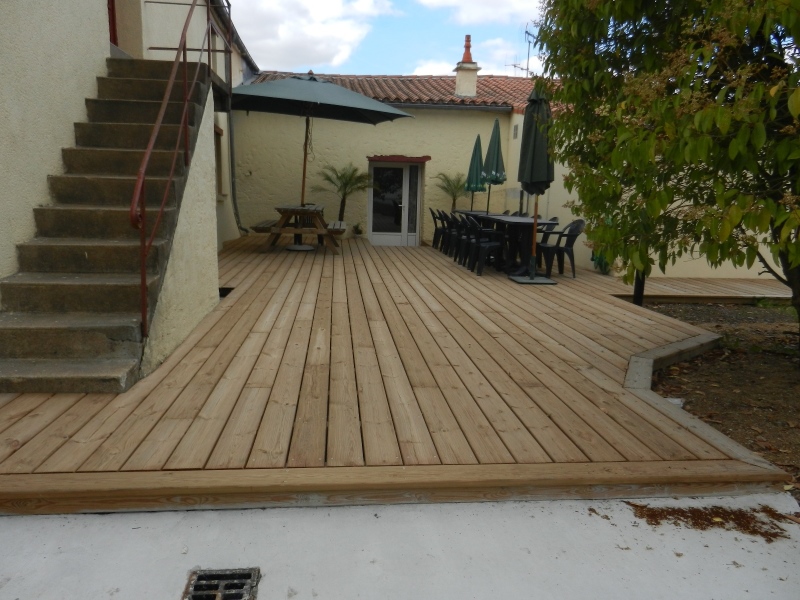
(143,257)
(210,32)
(184,121)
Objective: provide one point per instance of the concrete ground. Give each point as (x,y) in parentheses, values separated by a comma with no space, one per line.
(560,550)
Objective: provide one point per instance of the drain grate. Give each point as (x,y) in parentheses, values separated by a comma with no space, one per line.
(232,584)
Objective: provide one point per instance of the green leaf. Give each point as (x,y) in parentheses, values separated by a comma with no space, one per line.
(735,214)
(759,136)
(733,148)
(723,120)
(794,103)
(725,229)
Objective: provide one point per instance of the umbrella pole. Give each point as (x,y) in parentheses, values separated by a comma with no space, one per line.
(521,193)
(535,232)
(472,201)
(488,197)
(305,162)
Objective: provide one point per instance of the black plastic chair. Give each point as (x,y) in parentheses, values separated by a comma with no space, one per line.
(489,247)
(557,250)
(438,228)
(547,230)
(475,235)
(461,237)
(450,230)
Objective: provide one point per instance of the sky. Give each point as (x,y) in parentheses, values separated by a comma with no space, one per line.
(386,37)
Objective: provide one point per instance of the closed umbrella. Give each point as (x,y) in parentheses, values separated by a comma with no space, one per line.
(536,170)
(494,171)
(474,178)
(308,96)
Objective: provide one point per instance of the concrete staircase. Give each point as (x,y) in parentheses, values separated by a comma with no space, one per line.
(69,320)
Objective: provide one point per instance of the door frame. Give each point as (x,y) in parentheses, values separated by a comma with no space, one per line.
(404,238)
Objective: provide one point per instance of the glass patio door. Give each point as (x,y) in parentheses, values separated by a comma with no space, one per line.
(393,205)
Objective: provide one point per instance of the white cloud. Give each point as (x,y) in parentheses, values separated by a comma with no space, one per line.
(293,34)
(434,67)
(469,12)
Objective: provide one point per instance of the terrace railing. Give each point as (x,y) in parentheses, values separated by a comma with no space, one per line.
(138,210)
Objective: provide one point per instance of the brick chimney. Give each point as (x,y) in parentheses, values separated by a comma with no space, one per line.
(467,72)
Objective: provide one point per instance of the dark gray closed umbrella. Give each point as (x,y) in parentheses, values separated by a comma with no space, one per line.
(536,169)
(474,178)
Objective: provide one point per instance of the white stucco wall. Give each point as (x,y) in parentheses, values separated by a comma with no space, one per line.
(191,288)
(269,157)
(50,59)
(226,220)
(130,37)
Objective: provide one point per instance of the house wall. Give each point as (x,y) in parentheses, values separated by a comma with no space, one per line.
(51,58)
(190,289)
(269,157)
(130,27)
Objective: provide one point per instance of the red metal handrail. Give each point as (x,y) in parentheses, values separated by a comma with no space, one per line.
(138,210)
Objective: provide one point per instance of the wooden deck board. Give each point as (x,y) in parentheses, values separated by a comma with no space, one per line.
(381,375)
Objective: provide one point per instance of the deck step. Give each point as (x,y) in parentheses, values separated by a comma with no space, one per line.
(150,69)
(129,136)
(109,190)
(74,335)
(79,292)
(82,255)
(115,161)
(115,88)
(67,376)
(136,111)
(99,222)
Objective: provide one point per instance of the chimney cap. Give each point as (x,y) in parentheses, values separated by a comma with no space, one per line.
(467,47)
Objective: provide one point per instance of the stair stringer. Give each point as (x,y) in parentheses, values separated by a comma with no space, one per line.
(189,280)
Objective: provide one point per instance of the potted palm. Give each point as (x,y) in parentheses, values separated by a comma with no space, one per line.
(453,186)
(343,182)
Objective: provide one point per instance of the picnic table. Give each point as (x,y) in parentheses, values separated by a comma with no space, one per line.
(306,220)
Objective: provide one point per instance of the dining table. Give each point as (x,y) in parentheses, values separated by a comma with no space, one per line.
(517,232)
(299,220)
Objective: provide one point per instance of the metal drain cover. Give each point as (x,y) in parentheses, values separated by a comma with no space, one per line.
(231,584)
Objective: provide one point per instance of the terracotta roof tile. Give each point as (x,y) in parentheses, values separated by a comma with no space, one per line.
(493,90)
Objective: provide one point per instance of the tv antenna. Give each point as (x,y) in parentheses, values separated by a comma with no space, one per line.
(529,39)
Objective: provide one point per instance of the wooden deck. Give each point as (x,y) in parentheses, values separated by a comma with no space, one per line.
(378,375)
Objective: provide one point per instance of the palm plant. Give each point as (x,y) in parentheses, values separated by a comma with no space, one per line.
(343,182)
(452,186)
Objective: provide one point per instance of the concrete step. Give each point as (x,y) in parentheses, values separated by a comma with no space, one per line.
(136,111)
(100,222)
(109,190)
(111,376)
(151,69)
(128,136)
(81,255)
(115,88)
(72,335)
(113,161)
(79,292)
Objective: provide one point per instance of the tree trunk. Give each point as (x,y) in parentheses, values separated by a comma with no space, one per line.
(342,204)
(638,289)
(792,275)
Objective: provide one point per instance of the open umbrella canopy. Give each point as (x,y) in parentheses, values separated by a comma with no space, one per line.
(536,171)
(309,96)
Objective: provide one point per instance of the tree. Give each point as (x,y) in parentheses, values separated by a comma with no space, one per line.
(343,182)
(452,186)
(679,123)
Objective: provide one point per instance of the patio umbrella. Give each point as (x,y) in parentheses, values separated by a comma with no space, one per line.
(474,179)
(536,171)
(308,96)
(494,171)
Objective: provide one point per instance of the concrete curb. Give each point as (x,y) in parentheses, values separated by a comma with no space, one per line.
(638,380)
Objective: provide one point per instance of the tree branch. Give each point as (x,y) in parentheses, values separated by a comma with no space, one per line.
(768,269)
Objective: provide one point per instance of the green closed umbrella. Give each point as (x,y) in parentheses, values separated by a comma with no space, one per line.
(494,171)
(474,178)
(536,169)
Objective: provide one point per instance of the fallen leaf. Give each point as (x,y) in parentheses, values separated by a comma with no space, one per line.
(718,520)
(757,429)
